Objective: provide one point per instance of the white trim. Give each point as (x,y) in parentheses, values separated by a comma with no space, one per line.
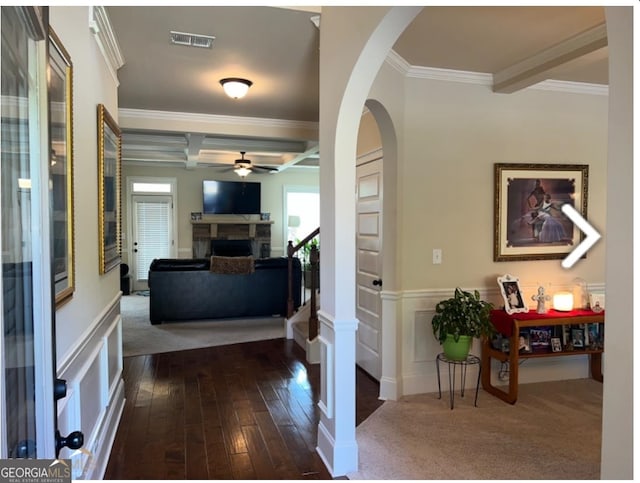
(81,343)
(325,402)
(486,79)
(100,26)
(148,114)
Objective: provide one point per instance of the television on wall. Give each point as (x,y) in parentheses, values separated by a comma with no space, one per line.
(230,197)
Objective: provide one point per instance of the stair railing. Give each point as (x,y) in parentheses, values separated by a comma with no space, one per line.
(314,264)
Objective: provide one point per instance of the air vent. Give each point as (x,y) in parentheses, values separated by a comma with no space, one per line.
(191,40)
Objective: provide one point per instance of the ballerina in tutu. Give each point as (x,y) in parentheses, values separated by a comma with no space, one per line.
(546,227)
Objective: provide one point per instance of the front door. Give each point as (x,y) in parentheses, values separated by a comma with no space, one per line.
(152,234)
(27,422)
(369,265)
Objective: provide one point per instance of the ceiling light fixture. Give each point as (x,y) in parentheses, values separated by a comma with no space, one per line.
(242,171)
(236,87)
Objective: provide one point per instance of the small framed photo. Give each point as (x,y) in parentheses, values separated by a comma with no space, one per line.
(196,216)
(577,338)
(512,295)
(524,342)
(540,338)
(556,345)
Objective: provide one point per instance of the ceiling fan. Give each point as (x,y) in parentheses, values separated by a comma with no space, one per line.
(243,167)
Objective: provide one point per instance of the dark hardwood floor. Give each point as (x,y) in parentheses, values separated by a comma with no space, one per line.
(243,411)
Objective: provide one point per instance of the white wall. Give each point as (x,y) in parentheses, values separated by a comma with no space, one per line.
(190,197)
(88,342)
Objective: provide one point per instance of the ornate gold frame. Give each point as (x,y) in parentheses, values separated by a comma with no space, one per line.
(109,172)
(60,99)
(519,189)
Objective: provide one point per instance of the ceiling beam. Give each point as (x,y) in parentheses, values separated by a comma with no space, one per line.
(300,157)
(193,149)
(537,67)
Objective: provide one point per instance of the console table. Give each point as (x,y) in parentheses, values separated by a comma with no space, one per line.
(510,325)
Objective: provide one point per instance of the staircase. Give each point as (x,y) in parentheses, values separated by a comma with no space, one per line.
(302,325)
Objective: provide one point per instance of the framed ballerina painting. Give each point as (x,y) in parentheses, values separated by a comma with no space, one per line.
(529,222)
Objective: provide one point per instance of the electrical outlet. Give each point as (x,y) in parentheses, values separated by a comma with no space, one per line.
(437,256)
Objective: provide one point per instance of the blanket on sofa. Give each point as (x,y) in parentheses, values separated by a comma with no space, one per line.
(232,265)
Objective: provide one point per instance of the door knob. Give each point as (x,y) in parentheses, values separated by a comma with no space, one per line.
(59,389)
(377,283)
(75,440)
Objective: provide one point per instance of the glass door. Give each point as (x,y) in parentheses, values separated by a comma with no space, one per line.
(27,422)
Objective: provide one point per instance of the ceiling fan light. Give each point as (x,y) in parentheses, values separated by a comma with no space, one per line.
(236,87)
(242,171)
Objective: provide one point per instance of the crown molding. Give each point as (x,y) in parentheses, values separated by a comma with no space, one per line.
(215,118)
(572,87)
(484,79)
(100,26)
(450,75)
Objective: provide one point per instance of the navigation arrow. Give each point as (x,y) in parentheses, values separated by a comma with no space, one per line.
(592,235)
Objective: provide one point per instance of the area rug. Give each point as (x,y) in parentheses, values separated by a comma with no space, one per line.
(552,432)
(139,337)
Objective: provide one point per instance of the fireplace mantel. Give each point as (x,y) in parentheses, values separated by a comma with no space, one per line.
(231,228)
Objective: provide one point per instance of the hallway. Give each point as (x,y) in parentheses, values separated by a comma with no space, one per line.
(243,411)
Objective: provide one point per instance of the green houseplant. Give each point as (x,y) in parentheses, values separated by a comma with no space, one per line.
(458,320)
(306,261)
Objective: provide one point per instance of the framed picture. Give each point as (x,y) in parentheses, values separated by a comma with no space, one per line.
(529,222)
(512,295)
(109,214)
(540,338)
(577,337)
(556,345)
(60,90)
(524,342)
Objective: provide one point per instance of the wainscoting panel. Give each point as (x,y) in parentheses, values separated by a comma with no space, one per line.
(95,398)
(419,347)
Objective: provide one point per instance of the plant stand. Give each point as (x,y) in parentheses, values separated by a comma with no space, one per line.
(470,360)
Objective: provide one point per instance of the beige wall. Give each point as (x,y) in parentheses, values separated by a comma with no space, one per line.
(453,134)
(92,85)
(190,197)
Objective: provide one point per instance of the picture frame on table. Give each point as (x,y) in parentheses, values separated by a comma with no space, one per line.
(540,338)
(512,294)
(60,95)
(577,338)
(109,173)
(556,344)
(528,220)
(524,342)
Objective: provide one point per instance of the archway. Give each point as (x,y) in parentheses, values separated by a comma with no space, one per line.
(346,75)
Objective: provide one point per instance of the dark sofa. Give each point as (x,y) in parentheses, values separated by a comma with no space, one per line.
(185,289)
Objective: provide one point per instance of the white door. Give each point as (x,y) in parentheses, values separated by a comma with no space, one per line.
(152,235)
(369,265)
(27,356)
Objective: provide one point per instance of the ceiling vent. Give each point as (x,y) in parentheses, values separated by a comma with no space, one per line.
(191,40)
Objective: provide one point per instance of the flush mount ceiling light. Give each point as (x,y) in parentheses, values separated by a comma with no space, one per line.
(236,87)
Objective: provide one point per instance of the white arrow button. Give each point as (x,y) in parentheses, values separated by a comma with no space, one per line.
(592,235)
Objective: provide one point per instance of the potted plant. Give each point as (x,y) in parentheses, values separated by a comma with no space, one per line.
(306,262)
(458,320)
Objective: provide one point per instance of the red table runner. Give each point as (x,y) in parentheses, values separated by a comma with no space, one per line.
(502,321)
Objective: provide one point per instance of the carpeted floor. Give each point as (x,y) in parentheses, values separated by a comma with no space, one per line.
(139,337)
(552,432)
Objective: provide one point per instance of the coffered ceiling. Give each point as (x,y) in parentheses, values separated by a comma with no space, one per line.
(277,49)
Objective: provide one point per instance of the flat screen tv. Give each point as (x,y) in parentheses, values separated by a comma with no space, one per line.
(230,198)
